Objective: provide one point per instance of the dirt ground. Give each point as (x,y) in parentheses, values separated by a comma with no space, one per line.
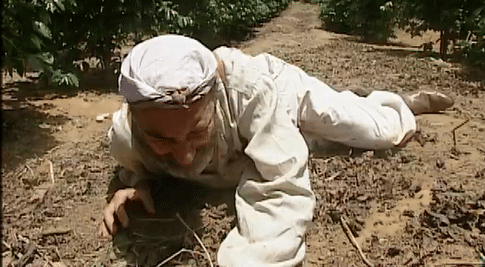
(423,205)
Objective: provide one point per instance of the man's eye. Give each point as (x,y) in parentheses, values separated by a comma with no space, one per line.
(155,137)
(197,134)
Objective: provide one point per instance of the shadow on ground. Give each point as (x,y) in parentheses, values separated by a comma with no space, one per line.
(27,133)
(150,239)
(26,128)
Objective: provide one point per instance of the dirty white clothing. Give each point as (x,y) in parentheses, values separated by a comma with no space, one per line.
(259,146)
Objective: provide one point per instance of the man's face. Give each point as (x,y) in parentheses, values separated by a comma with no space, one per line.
(177,132)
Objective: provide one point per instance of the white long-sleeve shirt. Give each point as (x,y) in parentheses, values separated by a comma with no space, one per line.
(263,115)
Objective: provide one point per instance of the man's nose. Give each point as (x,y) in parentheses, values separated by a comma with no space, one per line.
(184,153)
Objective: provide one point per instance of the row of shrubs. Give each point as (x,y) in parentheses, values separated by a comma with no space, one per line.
(462,22)
(51,35)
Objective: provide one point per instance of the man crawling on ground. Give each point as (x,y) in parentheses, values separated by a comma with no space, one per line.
(227,119)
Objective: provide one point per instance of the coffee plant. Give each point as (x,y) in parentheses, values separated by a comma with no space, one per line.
(461,22)
(56,36)
(371,19)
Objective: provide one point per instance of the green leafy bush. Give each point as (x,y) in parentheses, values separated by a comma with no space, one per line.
(373,20)
(455,20)
(52,35)
(27,38)
(461,22)
(474,47)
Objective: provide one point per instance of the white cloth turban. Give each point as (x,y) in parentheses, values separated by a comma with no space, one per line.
(169,70)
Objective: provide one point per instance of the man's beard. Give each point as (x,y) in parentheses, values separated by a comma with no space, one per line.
(202,158)
(168,165)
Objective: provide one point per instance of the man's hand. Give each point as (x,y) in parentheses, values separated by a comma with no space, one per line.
(116,209)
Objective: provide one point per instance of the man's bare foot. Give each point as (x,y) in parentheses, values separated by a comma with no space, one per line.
(427,102)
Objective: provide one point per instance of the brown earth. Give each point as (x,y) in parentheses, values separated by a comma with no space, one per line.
(423,205)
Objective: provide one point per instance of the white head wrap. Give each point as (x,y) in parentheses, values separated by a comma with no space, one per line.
(169,70)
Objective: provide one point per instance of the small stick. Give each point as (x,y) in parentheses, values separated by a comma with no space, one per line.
(459,264)
(456,128)
(155,219)
(51,171)
(6,245)
(182,250)
(165,238)
(56,231)
(353,241)
(198,240)
(31,171)
(335,175)
(27,256)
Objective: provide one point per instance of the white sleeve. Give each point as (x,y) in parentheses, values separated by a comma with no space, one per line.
(274,201)
(121,148)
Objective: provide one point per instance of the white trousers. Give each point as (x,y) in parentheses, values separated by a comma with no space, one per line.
(381,120)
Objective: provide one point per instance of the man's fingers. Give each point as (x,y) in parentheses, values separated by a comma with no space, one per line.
(103,231)
(109,219)
(116,209)
(147,201)
(122,215)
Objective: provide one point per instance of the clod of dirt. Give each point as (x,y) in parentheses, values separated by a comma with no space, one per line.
(394,251)
(415,188)
(436,220)
(408,213)
(39,193)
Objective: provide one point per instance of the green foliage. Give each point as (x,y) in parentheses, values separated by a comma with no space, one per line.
(27,38)
(462,22)
(371,19)
(474,47)
(213,21)
(52,34)
(459,21)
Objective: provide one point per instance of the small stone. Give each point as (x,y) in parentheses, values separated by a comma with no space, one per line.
(102,117)
(44,126)
(440,163)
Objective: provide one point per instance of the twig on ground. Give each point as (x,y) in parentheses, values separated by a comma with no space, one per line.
(47,261)
(353,241)
(56,231)
(155,219)
(182,250)
(335,175)
(27,256)
(31,171)
(198,240)
(22,238)
(6,245)
(458,264)
(456,128)
(51,169)
(154,238)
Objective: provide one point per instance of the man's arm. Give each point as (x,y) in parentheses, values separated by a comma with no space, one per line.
(131,175)
(274,201)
